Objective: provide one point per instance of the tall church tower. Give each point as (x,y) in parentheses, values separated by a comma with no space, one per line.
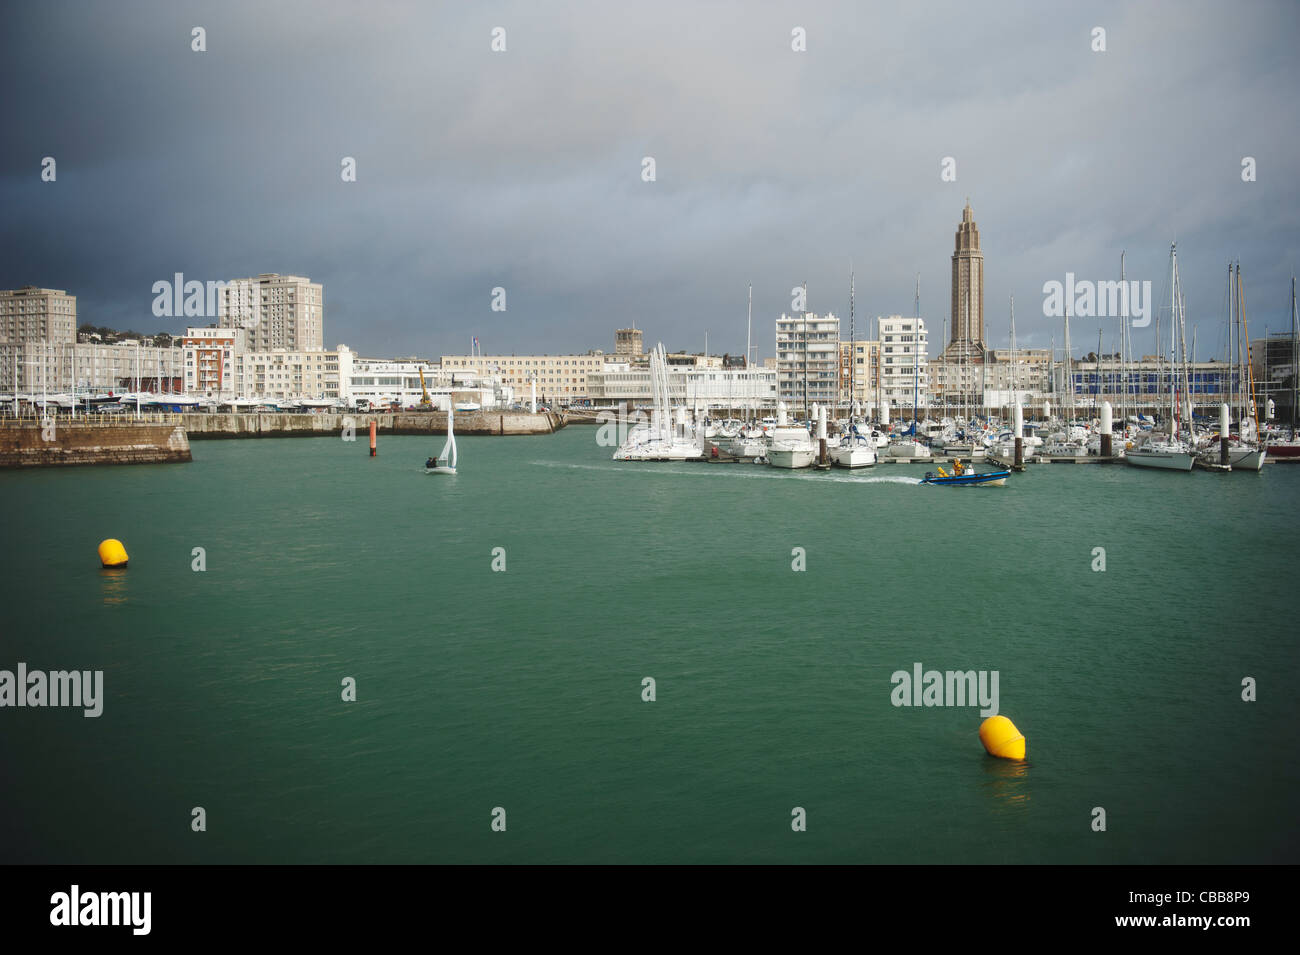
(968,287)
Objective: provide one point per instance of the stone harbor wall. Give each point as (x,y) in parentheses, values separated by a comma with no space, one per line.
(27,444)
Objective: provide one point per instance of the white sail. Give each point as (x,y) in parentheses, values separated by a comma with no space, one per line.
(449,449)
(445,463)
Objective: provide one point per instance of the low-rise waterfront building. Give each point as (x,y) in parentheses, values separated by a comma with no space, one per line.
(39,367)
(687,384)
(383,382)
(959,379)
(559,378)
(1149,382)
(1273,365)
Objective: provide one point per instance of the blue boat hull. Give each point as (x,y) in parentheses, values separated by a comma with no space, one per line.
(986,479)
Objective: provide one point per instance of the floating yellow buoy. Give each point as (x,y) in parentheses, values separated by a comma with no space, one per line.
(112,553)
(1001,738)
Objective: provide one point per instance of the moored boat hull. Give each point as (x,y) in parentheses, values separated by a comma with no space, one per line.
(857,457)
(790,458)
(1160,460)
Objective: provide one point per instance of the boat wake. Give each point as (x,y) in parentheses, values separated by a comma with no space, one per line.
(881,480)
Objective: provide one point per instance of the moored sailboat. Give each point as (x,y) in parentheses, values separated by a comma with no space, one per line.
(1159,451)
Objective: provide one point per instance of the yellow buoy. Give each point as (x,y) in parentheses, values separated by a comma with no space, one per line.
(1001,738)
(112,553)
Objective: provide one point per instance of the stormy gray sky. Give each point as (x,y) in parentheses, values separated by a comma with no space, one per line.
(522,169)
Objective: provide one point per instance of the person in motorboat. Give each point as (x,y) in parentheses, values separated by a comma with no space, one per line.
(958,468)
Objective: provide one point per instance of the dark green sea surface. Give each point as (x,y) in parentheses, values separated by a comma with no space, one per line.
(523,689)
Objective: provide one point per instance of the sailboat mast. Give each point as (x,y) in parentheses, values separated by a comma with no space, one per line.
(1015,395)
(1245,334)
(916,350)
(879,393)
(805,349)
(1239,370)
(1173,311)
(1295,362)
(1123,339)
(749,325)
(1101,388)
(853,362)
(1234,356)
(1069,378)
(961,358)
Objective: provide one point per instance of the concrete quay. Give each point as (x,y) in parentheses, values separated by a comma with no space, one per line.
(65,442)
(286,425)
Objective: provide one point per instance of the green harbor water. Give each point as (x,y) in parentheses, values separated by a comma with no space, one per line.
(522,689)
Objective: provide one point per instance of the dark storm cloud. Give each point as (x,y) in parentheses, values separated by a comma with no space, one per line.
(522,169)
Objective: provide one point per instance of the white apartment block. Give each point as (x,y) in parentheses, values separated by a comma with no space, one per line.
(281,373)
(808,359)
(276,311)
(687,384)
(904,370)
(32,314)
(558,377)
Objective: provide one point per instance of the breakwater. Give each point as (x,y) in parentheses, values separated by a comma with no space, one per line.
(277,425)
(60,442)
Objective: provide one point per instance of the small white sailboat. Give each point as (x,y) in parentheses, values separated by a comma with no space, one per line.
(856,450)
(445,463)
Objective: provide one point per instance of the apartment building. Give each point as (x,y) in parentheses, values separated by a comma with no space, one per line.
(859,361)
(904,361)
(60,368)
(31,314)
(276,311)
(210,359)
(281,373)
(808,359)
